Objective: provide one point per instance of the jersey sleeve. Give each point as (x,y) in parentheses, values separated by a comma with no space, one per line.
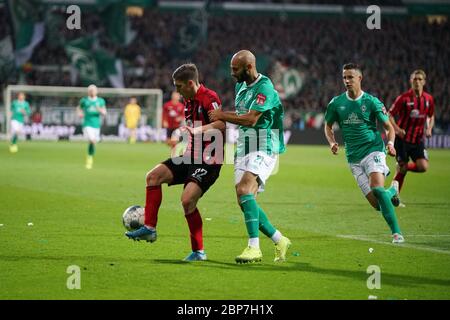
(264,98)
(213,104)
(431,108)
(81,104)
(27,108)
(380,110)
(102,103)
(330,113)
(396,106)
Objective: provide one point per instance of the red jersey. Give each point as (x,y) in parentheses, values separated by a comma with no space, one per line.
(196,115)
(173,114)
(412,112)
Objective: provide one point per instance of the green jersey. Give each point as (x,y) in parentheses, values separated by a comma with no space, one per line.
(357,119)
(267,134)
(17,108)
(91,111)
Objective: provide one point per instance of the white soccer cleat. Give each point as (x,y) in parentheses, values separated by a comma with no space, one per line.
(397,238)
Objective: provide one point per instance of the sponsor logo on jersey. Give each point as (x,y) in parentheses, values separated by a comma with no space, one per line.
(353,119)
(415,114)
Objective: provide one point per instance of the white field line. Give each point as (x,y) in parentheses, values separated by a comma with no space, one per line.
(402,245)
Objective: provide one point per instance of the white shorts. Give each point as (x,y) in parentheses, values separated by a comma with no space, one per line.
(373,162)
(92,134)
(16,127)
(258,163)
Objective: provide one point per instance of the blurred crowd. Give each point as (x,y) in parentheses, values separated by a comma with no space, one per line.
(315,46)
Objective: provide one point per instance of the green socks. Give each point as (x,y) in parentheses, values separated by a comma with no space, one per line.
(251,214)
(255,217)
(91,149)
(264,224)
(387,209)
(14,139)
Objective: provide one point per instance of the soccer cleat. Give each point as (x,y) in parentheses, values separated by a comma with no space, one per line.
(250,254)
(395,199)
(13,148)
(397,238)
(196,256)
(281,248)
(89,162)
(143,233)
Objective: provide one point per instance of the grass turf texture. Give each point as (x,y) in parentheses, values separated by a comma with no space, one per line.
(313,199)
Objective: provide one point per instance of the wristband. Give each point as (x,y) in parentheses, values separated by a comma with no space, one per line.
(390,143)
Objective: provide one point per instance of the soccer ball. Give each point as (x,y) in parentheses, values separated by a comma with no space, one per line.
(133,218)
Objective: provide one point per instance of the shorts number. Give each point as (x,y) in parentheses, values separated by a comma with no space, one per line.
(199,173)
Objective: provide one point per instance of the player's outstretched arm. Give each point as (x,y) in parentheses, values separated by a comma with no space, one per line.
(387,125)
(430,125)
(247,120)
(80,112)
(216,125)
(329,134)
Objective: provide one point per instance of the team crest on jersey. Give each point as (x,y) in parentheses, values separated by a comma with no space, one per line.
(363,108)
(260,99)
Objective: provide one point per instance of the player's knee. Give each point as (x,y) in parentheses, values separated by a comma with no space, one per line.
(242,189)
(152,178)
(423,167)
(188,204)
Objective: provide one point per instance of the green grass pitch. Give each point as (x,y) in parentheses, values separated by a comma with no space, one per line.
(313,199)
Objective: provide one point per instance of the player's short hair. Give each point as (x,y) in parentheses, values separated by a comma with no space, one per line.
(186,72)
(352,66)
(419,71)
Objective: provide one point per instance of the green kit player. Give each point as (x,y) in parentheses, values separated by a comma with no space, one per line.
(91,108)
(20,108)
(357,113)
(259,114)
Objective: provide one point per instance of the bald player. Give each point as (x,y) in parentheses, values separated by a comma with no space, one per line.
(259,115)
(91,109)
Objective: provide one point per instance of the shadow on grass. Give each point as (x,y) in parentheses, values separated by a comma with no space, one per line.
(300,267)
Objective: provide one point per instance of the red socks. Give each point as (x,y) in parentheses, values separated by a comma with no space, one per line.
(153,199)
(195,223)
(412,167)
(399,177)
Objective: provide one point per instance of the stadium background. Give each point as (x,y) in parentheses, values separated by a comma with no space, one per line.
(55,214)
(300,44)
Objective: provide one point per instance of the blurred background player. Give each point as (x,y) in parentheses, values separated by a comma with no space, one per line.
(132,115)
(357,113)
(91,108)
(194,170)
(173,116)
(259,112)
(20,109)
(413,109)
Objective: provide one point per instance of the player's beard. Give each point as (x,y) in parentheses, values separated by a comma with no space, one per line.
(244,76)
